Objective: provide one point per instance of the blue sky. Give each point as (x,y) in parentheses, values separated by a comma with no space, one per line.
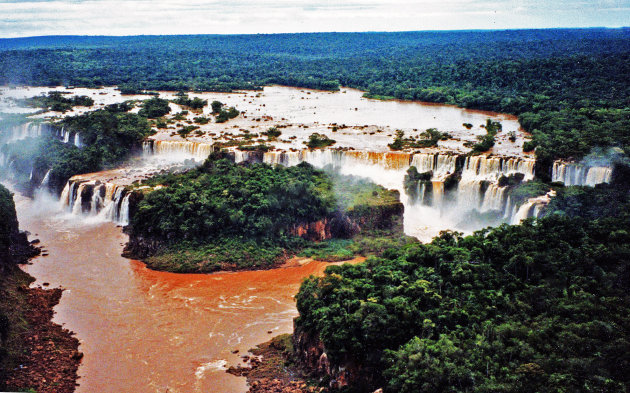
(122,17)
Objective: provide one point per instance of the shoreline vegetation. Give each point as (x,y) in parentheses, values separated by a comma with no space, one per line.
(36,354)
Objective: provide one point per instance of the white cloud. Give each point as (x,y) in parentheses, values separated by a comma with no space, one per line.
(121,17)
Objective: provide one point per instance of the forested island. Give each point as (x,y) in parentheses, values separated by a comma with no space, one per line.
(540,306)
(223,216)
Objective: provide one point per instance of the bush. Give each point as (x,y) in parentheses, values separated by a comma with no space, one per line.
(154,107)
(316,141)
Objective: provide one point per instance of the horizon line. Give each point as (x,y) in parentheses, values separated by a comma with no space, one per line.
(324,32)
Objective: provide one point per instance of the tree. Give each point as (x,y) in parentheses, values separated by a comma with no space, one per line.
(216,106)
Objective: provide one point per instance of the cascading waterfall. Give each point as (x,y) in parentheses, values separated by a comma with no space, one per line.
(492,168)
(438,192)
(113,196)
(107,201)
(45,180)
(77,205)
(123,215)
(64,199)
(37,129)
(574,174)
(440,164)
(532,207)
(177,149)
(494,198)
(458,184)
(478,188)
(478,183)
(25,130)
(77,140)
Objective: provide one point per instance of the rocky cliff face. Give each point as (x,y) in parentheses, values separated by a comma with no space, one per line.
(386,215)
(314,231)
(14,244)
(346,225)
(310,353)
(140,247)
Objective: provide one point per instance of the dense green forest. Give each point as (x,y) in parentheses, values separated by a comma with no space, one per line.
(569,87)
(107,137)
(537,307)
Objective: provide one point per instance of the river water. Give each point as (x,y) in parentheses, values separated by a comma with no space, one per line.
(148,331)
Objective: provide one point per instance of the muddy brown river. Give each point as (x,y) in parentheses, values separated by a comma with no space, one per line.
(148,331)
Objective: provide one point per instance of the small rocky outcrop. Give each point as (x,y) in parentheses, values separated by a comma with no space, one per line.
(140,247)
(310,354)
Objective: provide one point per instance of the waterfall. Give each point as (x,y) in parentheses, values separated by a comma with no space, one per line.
(523,212)
(458,184)
(477,188)
(77,206)
(440,164)
(574,174)
(468,194)
(532,207)
(25,130)
(45,180)
(283,158)
(492,168)
(598,174)
(421,193)
(438,193)
(453,195)
(240,156)
(113,196)
(494,198)
(177,149)
(65,195)
(123,216)
(107,201)
(97,201)
(147,148)
(77,140)
(72,196)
